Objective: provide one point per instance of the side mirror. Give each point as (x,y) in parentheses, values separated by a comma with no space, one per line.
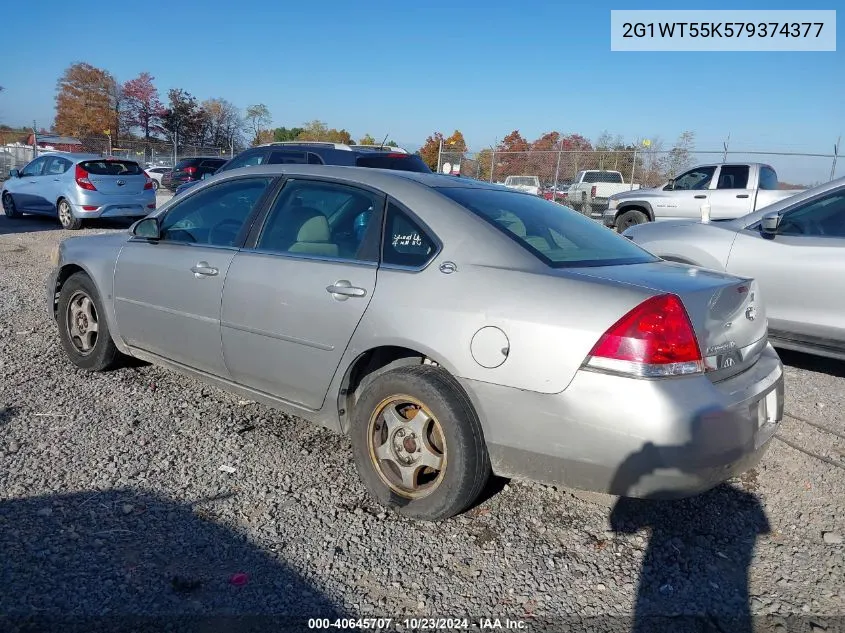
(148,228)
(14,173)
(770,223)
(670,186)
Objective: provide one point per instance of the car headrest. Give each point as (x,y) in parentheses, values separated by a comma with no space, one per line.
(512,223)
(314,229)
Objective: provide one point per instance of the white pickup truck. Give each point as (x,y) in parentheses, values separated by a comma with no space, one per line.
(730,189)
(591,189)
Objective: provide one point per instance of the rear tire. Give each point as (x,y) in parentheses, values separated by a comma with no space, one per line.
(155,184)
(66,217)
(629,219)
(418,443)
(9,207)
(83,330)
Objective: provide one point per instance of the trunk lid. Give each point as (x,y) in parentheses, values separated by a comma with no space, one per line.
(115,177)
(726,312)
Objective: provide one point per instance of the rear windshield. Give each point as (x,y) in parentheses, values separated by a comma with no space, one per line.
(111,167)
(522,181)
(557,235)
(602,176)
(185,162)
(400,162)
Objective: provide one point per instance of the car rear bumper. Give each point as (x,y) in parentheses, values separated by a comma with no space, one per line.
(633,437)
(115,206)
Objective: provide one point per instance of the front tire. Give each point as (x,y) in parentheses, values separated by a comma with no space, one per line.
(630,218)
(66,217)
(83,330)
(9,207)
(418,443)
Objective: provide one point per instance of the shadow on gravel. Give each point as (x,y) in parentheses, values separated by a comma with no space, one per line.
(7,412)
(40,223)
(123,561)
(808,362)
(694,574)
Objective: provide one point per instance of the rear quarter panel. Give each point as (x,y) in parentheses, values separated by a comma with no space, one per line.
(705,245)
(551,324)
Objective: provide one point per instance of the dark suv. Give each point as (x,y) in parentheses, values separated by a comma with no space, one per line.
(319,153)
(191,170)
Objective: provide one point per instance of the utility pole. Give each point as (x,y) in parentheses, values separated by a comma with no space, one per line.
(835,155)
(725,145)
(34,139)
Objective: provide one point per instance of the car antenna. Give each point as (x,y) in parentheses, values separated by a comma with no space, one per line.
(385,140)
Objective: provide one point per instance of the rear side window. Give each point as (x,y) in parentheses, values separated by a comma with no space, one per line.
(214,163)
(287,158)
(768,178)
(111,167)
(405,243)
(399,162)
(733,177)
(557,236)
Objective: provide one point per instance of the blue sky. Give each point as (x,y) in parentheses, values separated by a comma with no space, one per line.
(407,69)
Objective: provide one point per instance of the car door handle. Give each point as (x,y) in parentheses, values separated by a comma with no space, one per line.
(342,290)
(700,196)
(57,179)
(742,195)
(202,269)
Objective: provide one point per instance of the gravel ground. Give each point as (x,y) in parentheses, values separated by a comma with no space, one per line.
(113,503)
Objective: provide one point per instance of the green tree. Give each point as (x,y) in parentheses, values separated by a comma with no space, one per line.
(367,140)
(317,130)
(282,134)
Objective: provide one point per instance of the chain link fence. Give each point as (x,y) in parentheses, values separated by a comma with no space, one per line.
(557,169)
(157,153)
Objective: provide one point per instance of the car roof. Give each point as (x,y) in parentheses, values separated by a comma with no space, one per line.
(74,156)
(373,177)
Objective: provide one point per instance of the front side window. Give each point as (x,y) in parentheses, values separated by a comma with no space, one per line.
(823,217)
(694,179)
(35,168)
(557,236)
(215,215)
(323,219)
(405,243)
(733,177)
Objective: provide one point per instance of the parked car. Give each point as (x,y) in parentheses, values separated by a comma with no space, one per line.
(731,190)
(592,363)
(78,187)
(156,174)
(320,153)
(559,193)
(191,170)
(592,188)
(794,248)
(528,184)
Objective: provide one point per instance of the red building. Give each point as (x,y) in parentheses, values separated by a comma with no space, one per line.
(55,142)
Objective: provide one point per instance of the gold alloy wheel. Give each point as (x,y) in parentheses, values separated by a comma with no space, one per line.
(82,323)
(407,446)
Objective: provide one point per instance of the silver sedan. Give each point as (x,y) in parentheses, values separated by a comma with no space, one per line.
(794,248)
(451,327)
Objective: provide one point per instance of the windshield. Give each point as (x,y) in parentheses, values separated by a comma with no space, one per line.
(557,235)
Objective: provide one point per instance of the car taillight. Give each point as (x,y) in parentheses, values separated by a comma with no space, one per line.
(593,191)
(82,179)
(190,170)
(654,339)
(149,182)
